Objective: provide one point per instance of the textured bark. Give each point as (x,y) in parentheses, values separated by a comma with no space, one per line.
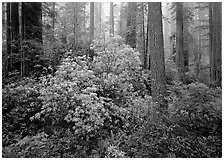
(179,41)
(156,49)
(131,24)
(141,34)
(215,29)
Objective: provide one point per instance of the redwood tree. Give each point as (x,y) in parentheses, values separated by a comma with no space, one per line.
(91,21)
(111,18)
(156,49)
(179,41)
(131,24)
(215,37)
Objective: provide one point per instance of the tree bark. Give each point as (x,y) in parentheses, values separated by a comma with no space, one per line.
(111,19)
(8,37)
(156,48)
(33,21)
(15,26)
(131,24)
(215,41)
(91,21)
(141,33)
(179,41)
(147,54)
(75,25)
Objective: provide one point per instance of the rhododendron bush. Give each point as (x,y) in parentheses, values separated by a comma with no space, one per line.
(86,96)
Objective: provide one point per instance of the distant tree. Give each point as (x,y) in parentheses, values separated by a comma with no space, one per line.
(123,20)
(147,55)
(91,36)
(215,29)
(156,49)
(98,19)
(141,33)
(15,35)
(32,14)
(111,18)
(8,36)
(75,27)
(131,24)
(15,26)
(4,47)
(31,35)
(179,41)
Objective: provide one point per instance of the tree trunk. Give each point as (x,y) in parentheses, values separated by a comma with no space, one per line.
(98,18)
(9,38)
(147,52)
(75,25)
(215,29)
(179,41)
(198,54)
(91,37)
(53,20)
(156,49)
(131,24)
(141,33)
(4,52)
(33,21)
(31,32)
(111,19)
(15,28)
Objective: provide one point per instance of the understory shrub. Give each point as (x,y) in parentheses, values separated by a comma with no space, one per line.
(192,127)
(90,100)
(19,103)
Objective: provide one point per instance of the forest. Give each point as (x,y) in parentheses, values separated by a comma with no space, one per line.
(111,80)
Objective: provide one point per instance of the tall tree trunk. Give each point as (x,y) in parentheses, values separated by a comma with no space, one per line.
(75,27)
(97,18)
(4,52)
(198,56)
(22,63)
(156,49)
(33,21)
(131,24)
(32,31)
(15,30)
(9,38)
(91,37)
(215,29)
(179,41)
(111,19)
(53,19)
(147,54)
(141,33)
